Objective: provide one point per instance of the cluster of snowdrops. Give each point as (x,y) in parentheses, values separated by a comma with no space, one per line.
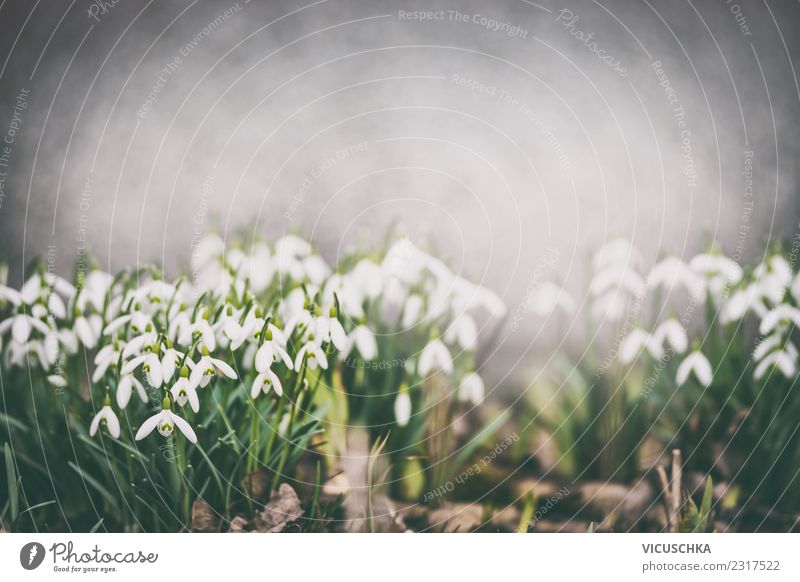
(282,308)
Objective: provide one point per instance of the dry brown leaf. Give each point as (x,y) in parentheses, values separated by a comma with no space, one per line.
(283,508)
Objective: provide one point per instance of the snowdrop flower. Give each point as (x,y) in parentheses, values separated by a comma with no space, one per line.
(127,383)
(615,252)
(782,314)
(65,338)
(412,310)
(88,329)
(719,271)
(467,296)
(315,269)
(402,407)
(350,296)
(329,329)
(271,351)
(210,248)
(184,391)
(547,298)
(265,381)
(672,272)
(403,262)
(673,333)
(611,306)
(151,366)
(435,357)
(107,418)
(363,340)
(313,353)
(368,278)
(170,360)
(93,291)
(107,355)
(784,360)
(766,345)
(199,328)
(741,302)
(40,286)
(207,367)
(617,278)
(22,325)
(463,331)
(166,421)
(773,277)
(18,354)
(471,389)
(635,342)
(698,364)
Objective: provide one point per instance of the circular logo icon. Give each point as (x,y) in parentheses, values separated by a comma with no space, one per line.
(31,555)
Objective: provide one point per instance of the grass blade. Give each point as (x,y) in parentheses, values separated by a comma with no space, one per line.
(13,490)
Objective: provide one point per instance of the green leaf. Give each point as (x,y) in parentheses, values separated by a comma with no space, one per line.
(38,505)
(527,512)
(705,506)
(484,434)
(96,526)
(13,490)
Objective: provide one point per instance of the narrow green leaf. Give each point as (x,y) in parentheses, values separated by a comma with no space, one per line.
(705,506)
(11,476)
(38,505)
(96,526)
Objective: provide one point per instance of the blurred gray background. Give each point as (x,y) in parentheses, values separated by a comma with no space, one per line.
(499,131)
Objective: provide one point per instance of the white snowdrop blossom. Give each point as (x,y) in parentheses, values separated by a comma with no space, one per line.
(719,272)
(127,384)
(207,367)
(265,381)
(183,391)
(673,333)
(547,297)
(363,340)
(672,272)
(166,421)
(471,389)
(637,341)
(105,417)
(695,363)
(435,357)
(784,360)
(313,354)
(402,408)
